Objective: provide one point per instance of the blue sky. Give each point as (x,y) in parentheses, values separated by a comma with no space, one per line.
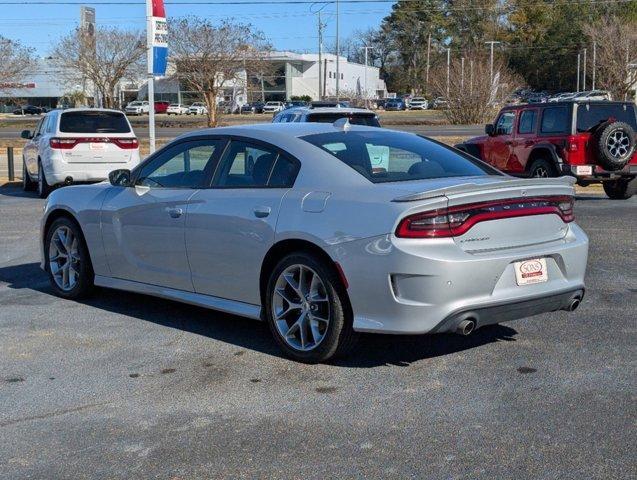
(289,27)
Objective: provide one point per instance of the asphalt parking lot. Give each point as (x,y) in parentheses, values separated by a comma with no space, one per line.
(128,386)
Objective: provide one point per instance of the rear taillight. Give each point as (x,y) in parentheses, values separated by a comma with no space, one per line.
(456,221)
(68,143)
(63,143)
(126,143)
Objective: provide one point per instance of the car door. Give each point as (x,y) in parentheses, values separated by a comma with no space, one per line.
(526,133)
(231,226)
(30,151)
(501,143)
(143,225)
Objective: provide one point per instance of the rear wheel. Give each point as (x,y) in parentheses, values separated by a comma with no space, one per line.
(542,168)
(307,309)
(621,189)
(43,187)
(28,185)
(67,259)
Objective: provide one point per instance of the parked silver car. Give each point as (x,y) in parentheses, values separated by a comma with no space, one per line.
(323,231)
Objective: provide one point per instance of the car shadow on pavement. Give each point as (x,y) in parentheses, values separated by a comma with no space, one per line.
(372,350)
(15,190)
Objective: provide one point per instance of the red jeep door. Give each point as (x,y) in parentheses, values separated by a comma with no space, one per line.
(526,132)
(500,145)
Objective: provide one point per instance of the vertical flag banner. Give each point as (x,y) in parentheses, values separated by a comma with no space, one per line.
(159,38)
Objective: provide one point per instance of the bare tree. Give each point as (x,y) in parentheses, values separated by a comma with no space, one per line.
(472,98)
(15,62)
(111,56)
(616,44)
(210,57)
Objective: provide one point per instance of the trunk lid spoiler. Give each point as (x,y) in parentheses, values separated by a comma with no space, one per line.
(559,183)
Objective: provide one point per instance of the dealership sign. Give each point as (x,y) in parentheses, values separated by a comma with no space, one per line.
(158,38)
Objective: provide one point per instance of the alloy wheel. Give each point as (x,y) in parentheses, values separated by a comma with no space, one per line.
(301,307)
(618,143)
(64,258)
(540,172)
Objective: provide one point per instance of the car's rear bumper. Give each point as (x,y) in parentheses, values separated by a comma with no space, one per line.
(402,289)
(596,173)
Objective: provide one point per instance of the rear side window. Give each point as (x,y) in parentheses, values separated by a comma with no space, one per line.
(94,122)
(590,115)
(386,156)
(367,119)
(527,121)
(555,120)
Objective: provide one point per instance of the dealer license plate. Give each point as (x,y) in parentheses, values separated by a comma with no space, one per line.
(531,271)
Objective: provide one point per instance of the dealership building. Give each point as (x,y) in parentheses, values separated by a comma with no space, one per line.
(291,75)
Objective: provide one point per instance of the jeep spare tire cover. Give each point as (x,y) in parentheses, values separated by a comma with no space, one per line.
(615,145)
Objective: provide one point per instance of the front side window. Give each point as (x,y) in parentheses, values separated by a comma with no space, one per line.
(385,156)
(504,126)
(248,165)
(555,120)
(185,165)
(527,121)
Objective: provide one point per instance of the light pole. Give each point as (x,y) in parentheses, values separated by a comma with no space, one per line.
(578,66)
(492,43)
(338,53)
(448,70)
(584,77)
(594,63)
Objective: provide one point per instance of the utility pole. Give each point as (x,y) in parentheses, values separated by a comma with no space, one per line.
(150,76)
(584,77)
(320,55)
(594,63)
(448,70)
(492,43)
(471,77)
(366,92)
(578,67)
(338,53)
(462,74)
(427,71)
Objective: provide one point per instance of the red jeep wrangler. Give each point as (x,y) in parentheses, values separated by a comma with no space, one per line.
(593,141)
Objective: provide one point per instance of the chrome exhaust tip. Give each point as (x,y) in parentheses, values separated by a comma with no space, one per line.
(466,327)
(574,304)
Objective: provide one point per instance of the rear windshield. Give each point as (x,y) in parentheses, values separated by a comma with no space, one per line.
(386,156)
(590,115)
(368,119)
(94,122)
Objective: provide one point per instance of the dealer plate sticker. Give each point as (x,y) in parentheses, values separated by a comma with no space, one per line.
(97,146)
(531,271)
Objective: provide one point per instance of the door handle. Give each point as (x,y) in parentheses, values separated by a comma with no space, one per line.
(261,212)
(175,212)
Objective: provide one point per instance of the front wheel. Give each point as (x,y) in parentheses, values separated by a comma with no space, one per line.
(67,259)
(620,189)
(307,309)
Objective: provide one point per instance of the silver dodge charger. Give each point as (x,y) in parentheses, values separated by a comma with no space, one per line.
(323,231)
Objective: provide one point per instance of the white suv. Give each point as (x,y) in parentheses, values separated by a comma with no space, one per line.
(76,146)
(273,107)
(418,103)
(137,108)
(197,108)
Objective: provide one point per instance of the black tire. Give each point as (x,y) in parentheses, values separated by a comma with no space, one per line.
(28,185)
(611,153)
(339,337)
(84,284)
(542,168)
(621,189)
(43,186)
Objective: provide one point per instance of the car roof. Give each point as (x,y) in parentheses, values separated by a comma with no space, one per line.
(308,110)
(111,110)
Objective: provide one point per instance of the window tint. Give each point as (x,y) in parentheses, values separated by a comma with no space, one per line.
(94,122)
(527,121)
(185,165)
(284,173)
(555,120)
(591,115)
(38,127)
(368,119)
(247,165)
(385,156)
(504,126)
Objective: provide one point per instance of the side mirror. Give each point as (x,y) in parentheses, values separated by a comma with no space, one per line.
(489,129)
(120,178)
(26,134)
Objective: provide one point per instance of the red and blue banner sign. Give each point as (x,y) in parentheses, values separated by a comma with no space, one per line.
(158,38)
